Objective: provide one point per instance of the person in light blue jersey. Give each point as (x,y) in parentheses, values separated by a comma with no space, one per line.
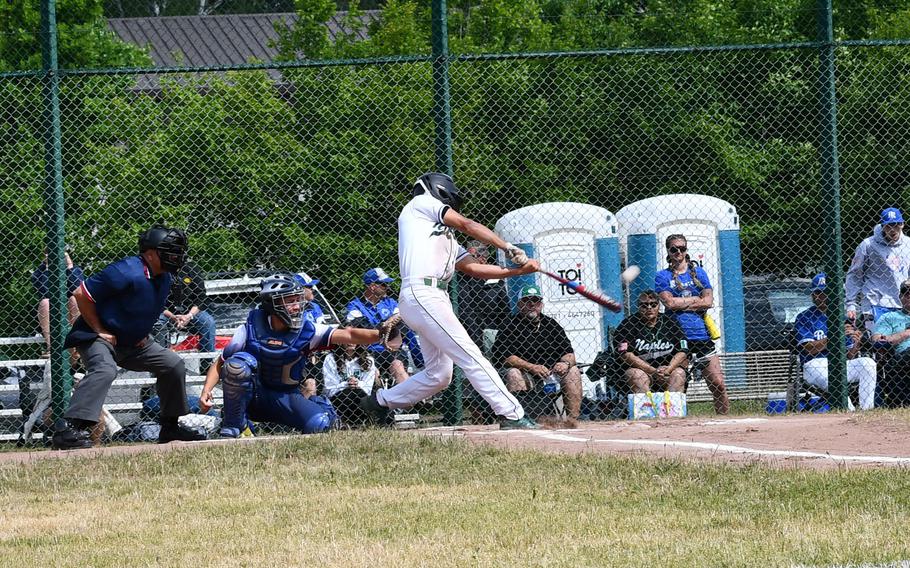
(893,329)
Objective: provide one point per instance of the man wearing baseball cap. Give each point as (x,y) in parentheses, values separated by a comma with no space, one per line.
(373,308)
(537,357)
(894,329)
(811,328)
(880,264)
(312,310)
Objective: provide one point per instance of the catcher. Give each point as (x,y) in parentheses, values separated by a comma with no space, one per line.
(261,369)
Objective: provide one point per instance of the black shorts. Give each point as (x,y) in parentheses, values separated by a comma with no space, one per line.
(700,350)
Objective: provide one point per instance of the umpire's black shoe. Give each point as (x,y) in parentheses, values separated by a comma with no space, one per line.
(177,433)
(376,413)
(69,437)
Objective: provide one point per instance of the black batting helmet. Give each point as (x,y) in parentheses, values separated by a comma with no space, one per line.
(441,187)
(171,245)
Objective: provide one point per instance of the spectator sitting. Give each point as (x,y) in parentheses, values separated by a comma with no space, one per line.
(313,310)
(811,328)
(879,266)
(41,283)
(374,308)
(349,374)
(533,349)
(894,328)
(652,347)
(187,310)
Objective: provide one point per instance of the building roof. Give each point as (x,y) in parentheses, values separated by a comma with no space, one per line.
(204,41)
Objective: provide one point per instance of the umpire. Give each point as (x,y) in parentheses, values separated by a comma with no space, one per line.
(119,307)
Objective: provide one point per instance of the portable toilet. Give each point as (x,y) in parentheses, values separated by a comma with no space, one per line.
(578,242)
(711,227)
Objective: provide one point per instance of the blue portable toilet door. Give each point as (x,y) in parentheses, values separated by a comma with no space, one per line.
(704,250)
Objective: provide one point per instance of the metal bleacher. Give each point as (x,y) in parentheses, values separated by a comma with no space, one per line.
(749,376)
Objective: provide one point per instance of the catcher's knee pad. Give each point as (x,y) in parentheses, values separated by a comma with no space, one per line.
(239,369)
(318,423)
(328,414)
(237,384)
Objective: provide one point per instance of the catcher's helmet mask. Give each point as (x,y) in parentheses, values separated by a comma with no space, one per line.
(441,187)
(282,296)
(171,245)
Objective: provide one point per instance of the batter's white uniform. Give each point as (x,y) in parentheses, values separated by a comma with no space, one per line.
(427,253)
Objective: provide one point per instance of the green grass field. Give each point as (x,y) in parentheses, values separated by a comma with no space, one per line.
(383,498)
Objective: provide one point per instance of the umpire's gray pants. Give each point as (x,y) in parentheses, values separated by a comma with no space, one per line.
(101,360)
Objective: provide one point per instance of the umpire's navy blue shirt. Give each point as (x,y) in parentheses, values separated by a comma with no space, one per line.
(128,299)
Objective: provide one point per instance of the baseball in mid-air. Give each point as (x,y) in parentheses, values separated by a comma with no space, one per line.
(630,274)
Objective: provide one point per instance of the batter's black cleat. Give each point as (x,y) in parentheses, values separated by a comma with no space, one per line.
(377,414)
(178,433)
(523,423)
(69,437)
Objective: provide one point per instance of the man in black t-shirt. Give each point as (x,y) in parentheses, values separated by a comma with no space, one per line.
(652,347)
(187,309)
(535,352)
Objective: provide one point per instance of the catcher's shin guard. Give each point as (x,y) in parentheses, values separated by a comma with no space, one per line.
(321,421)
(237,376)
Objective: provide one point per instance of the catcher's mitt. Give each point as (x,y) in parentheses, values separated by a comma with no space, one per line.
(390,333)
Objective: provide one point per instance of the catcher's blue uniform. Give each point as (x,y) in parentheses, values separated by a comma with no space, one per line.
(262,372)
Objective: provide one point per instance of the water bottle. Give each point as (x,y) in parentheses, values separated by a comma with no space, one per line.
(551,384)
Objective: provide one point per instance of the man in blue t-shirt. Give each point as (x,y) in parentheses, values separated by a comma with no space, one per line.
(893,328)
(373,308)
(811,327)
(119,306)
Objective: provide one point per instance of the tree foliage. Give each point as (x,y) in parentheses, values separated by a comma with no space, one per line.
(308,170)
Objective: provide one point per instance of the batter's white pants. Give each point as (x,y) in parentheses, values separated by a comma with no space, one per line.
(860,370)
(443,340)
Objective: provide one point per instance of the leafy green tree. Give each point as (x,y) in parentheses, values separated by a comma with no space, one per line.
(83,39)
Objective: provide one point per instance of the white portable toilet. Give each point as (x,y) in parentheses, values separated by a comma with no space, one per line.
(711,227)
(579,242)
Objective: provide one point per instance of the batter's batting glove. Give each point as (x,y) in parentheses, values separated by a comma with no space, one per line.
(390,333)
(516,255)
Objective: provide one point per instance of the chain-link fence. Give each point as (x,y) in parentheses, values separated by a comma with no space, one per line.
(590,162)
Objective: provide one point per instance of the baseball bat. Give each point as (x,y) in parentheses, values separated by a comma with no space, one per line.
(592,295)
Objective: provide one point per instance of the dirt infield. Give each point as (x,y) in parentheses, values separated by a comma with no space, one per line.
(812,440)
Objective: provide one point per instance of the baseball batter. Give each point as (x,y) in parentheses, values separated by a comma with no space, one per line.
(428,257)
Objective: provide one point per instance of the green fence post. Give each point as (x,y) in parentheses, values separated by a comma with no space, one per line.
(442,149)
(834,267)
(53,207)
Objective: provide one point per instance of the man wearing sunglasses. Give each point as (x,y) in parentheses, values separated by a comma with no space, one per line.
(535,350)
(373,308)
(652,347)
